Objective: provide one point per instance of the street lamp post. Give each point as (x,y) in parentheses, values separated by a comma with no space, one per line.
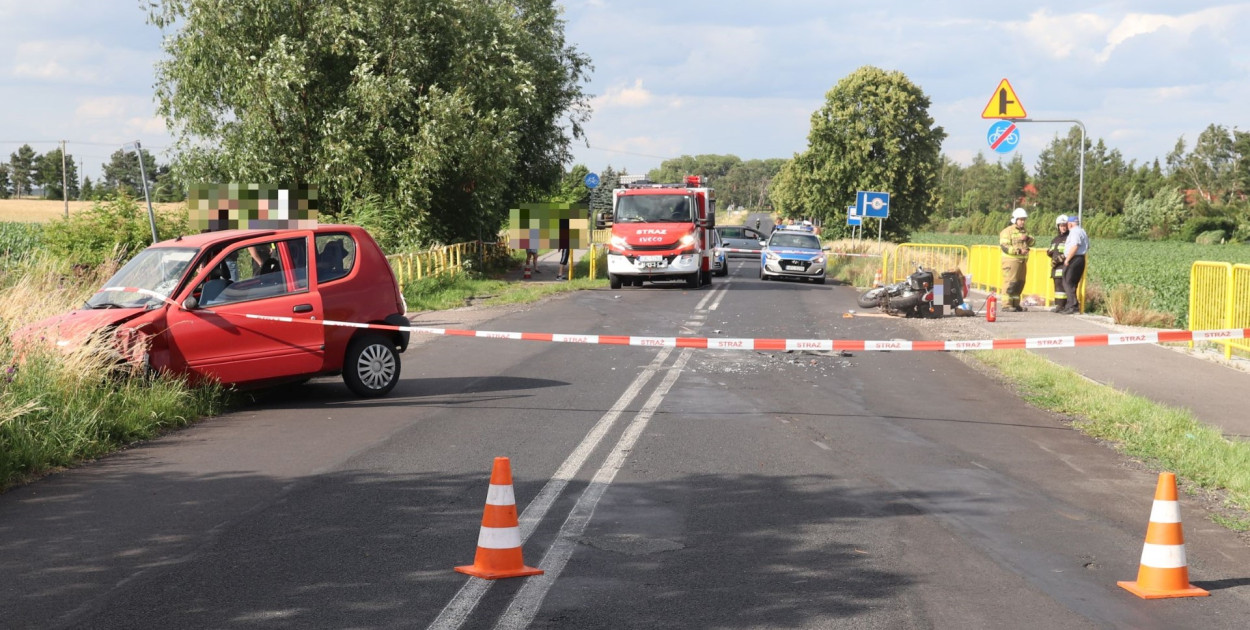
(135,146)
(1080,191)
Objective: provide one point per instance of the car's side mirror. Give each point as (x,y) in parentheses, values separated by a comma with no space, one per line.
(763,243)
(827,248)
(191,303)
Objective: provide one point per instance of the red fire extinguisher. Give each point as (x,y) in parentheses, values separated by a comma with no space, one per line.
(991,308)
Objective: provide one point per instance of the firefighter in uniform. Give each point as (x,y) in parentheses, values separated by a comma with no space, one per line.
(1015,242)
(1056,251)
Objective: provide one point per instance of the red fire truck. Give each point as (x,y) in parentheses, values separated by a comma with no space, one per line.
(662,232)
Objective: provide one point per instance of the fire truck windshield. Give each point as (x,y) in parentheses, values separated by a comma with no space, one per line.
(653,209)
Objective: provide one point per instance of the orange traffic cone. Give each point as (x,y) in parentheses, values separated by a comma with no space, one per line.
(1163,571)
(877,280)
(526,271)
(499,542)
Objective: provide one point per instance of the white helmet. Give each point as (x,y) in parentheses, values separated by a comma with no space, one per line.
(805,222)
(1019,213)
(1061,219)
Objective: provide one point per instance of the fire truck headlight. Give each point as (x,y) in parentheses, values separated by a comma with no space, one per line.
(687,240)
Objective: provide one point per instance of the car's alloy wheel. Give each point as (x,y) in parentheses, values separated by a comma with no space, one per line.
(371,366)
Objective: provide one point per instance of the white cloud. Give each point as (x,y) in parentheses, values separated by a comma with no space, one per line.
(1060,36)
(627,97)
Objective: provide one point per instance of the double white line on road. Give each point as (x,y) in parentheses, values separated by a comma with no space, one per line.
(457,611)
(528,600)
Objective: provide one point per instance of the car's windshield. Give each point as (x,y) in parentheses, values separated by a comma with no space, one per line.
(653,209)
(794,240)
(158,269)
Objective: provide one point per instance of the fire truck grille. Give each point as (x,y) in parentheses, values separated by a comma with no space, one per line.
(653,248)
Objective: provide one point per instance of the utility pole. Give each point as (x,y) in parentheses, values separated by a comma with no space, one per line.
(1080,191)
(64,180)
(138,149)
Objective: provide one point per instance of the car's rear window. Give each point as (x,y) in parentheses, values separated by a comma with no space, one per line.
(732,233)
(795,240)
(336,255)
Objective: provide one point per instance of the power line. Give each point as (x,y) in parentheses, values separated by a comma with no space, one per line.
(101,144)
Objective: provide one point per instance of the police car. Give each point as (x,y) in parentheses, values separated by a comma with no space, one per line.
(793,254)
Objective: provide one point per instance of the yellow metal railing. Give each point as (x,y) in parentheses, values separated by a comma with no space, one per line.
(938,258)
(986,265)
(1219,297)
(601,237)
(1239,312)
(449,259)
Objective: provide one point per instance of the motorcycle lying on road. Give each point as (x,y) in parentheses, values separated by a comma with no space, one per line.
(910,297)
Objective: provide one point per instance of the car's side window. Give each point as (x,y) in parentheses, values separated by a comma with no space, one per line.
(336,255)
(258,271)
(754,235)
(731,233)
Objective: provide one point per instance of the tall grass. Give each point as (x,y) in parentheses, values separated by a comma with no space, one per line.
(61,407)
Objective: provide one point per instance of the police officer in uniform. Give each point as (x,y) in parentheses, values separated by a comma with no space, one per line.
(1074,262)
(1057,255)
(1015,242)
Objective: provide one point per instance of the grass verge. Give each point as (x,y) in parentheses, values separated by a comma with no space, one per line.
(446,291)
(1167,437)
(59,408)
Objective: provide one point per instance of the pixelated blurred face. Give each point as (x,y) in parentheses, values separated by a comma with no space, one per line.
(548,226)
(252,206)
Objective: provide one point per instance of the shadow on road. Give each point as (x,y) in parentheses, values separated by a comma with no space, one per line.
(120,549)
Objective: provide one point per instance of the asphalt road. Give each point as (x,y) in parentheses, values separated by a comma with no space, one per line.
(659,488)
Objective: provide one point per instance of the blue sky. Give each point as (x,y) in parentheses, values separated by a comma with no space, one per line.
(674,78)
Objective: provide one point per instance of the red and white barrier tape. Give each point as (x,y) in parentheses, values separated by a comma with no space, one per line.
(1032,343)
(735,250)
(1068,341)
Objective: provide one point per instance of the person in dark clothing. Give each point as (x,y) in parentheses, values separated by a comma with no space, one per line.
(1074,263)
(1057,254)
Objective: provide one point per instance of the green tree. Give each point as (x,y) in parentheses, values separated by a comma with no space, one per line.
(48,175)
(1211,168)
(88,190)
(874,132)
(444,112)
(4,181)
(22,169)
(747,183)
(1057,175)
(713,167)
(122,172)
(601,196)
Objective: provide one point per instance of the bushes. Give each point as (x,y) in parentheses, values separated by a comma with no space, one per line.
(111,230)
(1196,226)
(18,240)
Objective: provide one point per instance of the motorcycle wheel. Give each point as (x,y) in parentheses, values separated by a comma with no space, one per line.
(904,302)
(871,298)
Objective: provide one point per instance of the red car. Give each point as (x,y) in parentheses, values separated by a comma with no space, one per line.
(209,282)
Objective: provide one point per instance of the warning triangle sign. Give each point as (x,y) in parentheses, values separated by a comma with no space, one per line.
(1004,103)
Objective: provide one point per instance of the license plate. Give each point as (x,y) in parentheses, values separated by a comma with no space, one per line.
(650,259)
(652,265)
(795,268)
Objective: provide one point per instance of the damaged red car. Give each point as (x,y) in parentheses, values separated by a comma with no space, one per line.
(188,306)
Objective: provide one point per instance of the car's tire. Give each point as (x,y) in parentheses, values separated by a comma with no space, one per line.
(905,302)
(614,281)
(819,280)
(371,365)
(871,297)
(763,276)
(705,277)
(693,280)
